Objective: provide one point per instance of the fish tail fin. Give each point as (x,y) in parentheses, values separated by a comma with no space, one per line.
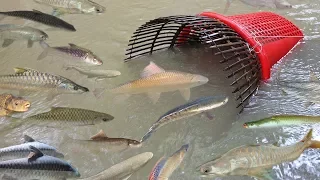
(311,143)
(307,137)
(45,47)
(146,136)
(98,92)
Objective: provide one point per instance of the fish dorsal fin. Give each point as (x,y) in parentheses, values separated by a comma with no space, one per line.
(19,70)
(73,45)
(151,69)
(28,139)
(34,154)
(37,11)
(78,47)
(99,135)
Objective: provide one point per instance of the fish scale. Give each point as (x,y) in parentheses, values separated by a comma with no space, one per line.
(71,116)
(73,52)
(33,80)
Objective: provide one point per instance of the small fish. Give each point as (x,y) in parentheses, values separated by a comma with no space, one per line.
(73,54)
(30,80)
(165,166)
(70,116)
(11,103)
(38,166)
(98,74)
(189,109)
(282,120)
(279,4)
(155,80)
(102,138)
(41,17)
(256,160)
(10,32)
(73,6)
(22,150)
(123,170)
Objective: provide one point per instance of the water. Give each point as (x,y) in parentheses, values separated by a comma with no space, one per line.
(107,35)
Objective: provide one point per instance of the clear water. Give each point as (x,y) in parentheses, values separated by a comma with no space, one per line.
(108,34)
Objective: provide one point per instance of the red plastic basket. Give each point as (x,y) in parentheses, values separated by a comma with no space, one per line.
(270,35)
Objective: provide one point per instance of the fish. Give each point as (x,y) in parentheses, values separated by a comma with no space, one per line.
(38,166)
(41,17)
(73,54)
(30,80)
(12,103)
(124,169)
(155,80)
(106,141)
(167,165)
(4,112)
(10,32)
(22,150)
(70,117)
(95,73)
(189,109)
(282,120)
(61,7)
(255,160)
(275,4)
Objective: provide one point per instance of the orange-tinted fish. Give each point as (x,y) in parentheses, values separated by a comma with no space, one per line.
(165,166)
(155,80)
(11,103)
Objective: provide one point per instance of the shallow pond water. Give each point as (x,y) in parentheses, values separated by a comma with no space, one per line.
(107,35)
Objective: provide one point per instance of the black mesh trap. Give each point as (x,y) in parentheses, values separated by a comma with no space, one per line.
(240,62)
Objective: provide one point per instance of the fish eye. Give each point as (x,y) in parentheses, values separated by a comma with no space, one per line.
(76,88)
(16,104)
(98,10)
(104,119)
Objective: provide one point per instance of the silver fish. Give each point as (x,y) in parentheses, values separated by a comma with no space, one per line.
(73,6)
(22,150)
(73,54)
(186,110)
(38,166)
(10,32)
(95,73)
(123,170)
(40,17)
(167,165)
(26,79)
(279,4)
(256,160)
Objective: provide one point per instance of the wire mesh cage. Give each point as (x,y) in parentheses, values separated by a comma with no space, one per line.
(239,61)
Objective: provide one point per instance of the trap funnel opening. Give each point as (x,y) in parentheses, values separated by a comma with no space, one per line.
(239,62)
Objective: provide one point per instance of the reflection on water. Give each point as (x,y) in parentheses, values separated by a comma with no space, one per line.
(108,34)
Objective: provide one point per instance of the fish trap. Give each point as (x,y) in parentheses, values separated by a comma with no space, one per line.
(248,44)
